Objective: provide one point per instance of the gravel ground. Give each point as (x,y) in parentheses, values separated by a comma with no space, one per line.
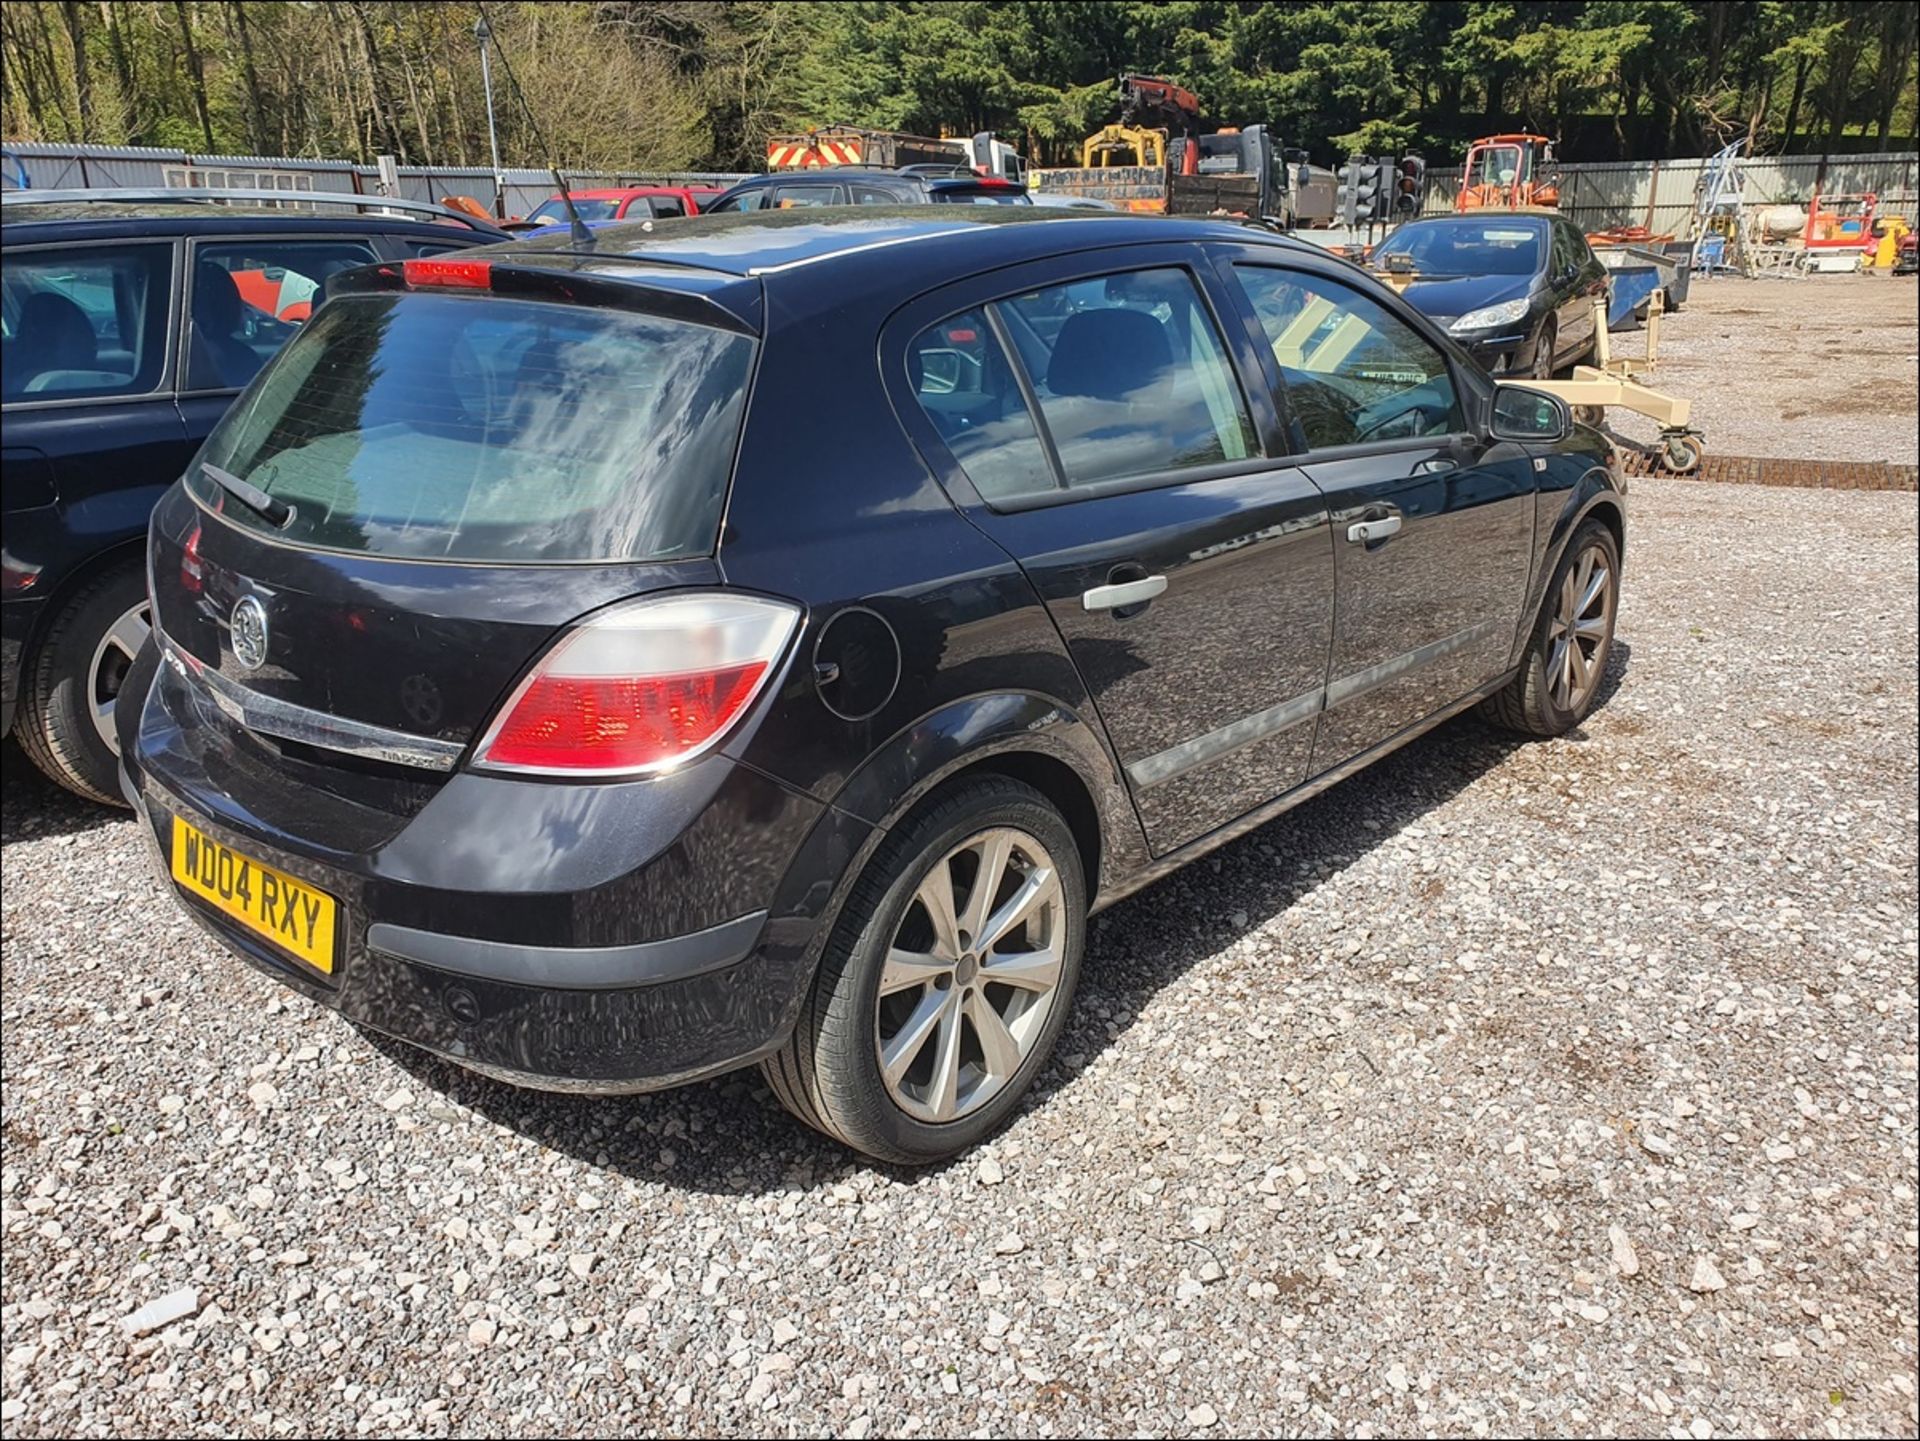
(1825,367)
(1505,1089)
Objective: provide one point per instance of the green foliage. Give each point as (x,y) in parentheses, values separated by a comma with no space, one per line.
(676,83)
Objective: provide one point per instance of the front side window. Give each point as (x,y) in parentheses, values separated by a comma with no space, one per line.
(663,206)
(1131,374)
(84,321)
(438,427)
(247,298)
(1354,372)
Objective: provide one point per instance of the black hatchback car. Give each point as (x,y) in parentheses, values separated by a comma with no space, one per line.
(127,326)
(771,640)
(1516,288)
(868,185)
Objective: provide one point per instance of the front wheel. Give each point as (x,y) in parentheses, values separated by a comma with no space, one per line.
(1559,680)
(947,979)
(1542,367)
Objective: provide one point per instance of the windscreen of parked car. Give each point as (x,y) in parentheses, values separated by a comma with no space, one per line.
(554,211)
(1468,247)
(484,429)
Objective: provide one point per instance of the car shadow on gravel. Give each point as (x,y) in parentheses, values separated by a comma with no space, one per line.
(33,808)
(728,1136)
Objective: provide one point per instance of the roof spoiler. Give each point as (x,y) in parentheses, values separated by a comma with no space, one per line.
(191,195)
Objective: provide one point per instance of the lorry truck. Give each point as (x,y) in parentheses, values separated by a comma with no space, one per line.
(893,149)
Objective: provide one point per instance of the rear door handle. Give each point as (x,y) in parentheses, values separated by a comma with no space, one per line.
(1366,532)
(1125,594)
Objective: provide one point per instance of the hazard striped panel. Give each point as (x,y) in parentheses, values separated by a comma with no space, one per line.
(805,155)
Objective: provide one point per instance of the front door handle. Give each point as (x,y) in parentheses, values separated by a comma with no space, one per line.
(1126,594)
(1367,532)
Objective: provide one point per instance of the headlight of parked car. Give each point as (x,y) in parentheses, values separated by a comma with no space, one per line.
(1504,313)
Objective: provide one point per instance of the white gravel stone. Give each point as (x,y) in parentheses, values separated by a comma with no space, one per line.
(1626,1260)
(1706,1276)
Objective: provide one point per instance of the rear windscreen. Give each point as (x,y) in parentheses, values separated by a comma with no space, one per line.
(477,428)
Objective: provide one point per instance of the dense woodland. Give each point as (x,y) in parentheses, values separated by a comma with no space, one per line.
(684,83)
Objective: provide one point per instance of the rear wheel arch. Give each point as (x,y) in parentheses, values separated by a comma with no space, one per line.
(1023,736)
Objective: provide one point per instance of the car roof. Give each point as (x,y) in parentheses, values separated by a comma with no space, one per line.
(119,219)
(951,239)
(623,192)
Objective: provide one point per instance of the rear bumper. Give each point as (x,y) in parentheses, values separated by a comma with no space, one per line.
(582,989)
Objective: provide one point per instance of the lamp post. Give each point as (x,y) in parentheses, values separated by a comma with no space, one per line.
(483,32)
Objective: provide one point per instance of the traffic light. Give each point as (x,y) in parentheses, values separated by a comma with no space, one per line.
(1358,179)
(1410,185)
(1383,190)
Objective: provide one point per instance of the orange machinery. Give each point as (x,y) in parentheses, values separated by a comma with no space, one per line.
(1506,172)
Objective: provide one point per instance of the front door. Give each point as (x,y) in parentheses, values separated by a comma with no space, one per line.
(1113,454)
(1432,526)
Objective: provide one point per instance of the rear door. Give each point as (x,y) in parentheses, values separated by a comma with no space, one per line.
(1579,279)
(93,434)
(1432,526)
(1088,415)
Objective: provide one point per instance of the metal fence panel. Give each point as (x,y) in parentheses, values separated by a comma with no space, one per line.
(1661,194)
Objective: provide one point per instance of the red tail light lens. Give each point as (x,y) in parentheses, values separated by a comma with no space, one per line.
(193,571)
(453,274)
(640,687)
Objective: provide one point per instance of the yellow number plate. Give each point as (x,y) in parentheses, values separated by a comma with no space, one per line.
(290,913)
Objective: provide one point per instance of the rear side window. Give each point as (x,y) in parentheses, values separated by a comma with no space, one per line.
(1132,376)
(968,390)
(1354,372)
(466,428)
(84,321)
(1130,373)
(246,299)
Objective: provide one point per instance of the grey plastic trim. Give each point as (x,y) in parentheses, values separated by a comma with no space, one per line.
(1361,681)
(575,968)
(1165,765)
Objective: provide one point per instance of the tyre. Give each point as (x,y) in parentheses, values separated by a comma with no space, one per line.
(947,978)
(65,721)
(1566,659)
(1542,367)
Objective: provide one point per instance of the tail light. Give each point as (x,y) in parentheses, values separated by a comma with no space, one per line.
(640,687)
(193,571)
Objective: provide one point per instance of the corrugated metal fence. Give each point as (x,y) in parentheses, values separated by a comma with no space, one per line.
(1661,194)
(54,167)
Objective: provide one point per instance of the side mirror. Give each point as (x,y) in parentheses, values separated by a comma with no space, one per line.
(1523,414)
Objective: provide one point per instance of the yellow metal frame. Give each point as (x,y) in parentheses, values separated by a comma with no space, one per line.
(1615,380)
(1149,145)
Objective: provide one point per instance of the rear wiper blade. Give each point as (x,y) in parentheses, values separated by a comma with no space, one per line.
(276,512)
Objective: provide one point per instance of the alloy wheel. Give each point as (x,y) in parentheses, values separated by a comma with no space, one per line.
(112,659)
(971,975)
(1581,631)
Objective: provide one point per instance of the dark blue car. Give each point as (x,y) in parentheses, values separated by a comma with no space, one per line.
(1516,288)
(127,327)
(771,638)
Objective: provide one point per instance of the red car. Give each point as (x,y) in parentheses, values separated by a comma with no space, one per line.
(637,202)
